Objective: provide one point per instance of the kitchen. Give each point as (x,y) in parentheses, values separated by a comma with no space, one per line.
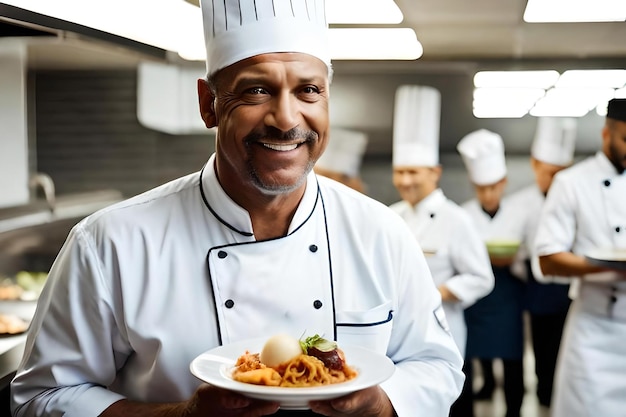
(82,100)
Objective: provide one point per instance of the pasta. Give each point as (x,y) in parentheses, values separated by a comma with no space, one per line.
(301,371)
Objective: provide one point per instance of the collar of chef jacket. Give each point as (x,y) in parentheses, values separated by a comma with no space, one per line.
(606,167)
(431,203)
(235,216)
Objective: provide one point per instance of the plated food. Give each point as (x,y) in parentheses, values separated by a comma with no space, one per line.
(288,362)
(215,366)
(503,247)
(11,324)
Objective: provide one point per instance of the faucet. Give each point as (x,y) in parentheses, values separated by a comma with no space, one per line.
(47,185)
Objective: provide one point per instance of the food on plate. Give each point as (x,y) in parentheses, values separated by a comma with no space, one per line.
(288,362)
(12,324)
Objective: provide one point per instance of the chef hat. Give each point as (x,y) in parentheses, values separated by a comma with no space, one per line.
(483,154)
(617,109)
(554,141)
(416,126)
(238,29)
(344,152)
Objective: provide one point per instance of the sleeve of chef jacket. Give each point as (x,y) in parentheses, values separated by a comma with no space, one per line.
(428,376)
(70,356)
(470,260)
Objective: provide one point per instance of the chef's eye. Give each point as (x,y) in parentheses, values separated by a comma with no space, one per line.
(257,90)
(310,90)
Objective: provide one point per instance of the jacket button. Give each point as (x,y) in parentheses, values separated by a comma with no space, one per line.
(432,215)
(317,304)
(313,248)
(221,254)
(618,229)
(229,303)
(607,183)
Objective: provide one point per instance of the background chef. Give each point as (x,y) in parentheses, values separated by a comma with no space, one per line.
(342,157)
(547,300)
(251,245)
(585,211)
(494,323)
(456,256)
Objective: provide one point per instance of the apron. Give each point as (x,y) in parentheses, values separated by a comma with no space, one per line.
(259,290)
(494,323)
(544,299)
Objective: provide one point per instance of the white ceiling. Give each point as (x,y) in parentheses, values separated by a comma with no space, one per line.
(449,30)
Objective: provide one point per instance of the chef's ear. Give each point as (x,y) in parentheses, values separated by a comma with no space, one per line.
(207,103)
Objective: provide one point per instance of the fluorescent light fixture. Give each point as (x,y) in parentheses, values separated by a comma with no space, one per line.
(350,12)
(374,43)
(614,78)
(541,79)
(571,102)
(538,11)
(176,25)
(504,102)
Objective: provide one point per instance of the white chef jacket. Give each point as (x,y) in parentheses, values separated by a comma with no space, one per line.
(455,252)
(509,223)
(586,209)
(533,199)
(141,288)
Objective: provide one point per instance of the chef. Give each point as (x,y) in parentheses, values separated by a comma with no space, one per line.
(342,157)
(585,211)
(251,245)
(494,323)
(456,256)
(547,300)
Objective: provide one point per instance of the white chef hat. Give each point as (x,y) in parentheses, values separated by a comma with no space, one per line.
(238,29)
(483,155)
(344,152)
(416,122)
(555,139)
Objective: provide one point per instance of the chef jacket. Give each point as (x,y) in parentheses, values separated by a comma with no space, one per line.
(454,252)
(509,223)
(586,209)
(141,288)
(533,199)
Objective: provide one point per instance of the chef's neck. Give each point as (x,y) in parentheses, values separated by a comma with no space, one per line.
(491,213)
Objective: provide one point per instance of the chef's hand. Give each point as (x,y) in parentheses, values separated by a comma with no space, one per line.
(210,401)
(370,402)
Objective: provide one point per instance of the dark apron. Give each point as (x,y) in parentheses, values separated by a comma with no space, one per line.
(544,299)
(494,323)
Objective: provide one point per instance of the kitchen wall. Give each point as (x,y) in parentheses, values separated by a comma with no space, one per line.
(87,135)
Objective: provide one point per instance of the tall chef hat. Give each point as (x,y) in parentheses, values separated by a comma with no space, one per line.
(555,139)
(483,155)
(416,122)
(238,29)
(344,152)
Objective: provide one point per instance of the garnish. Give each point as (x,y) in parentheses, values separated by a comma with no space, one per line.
(324,350)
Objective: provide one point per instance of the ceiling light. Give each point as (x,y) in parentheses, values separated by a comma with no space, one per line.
(575,11)
(504,102)
(614,78)
(363,12)
(570,102)
(176,25)
(374,43)
(541,79)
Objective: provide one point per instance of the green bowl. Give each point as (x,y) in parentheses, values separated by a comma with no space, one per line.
(503,248)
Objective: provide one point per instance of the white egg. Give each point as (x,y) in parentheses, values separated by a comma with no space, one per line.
(278,349)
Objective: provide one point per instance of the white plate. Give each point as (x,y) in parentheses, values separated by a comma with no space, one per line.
(610,258)
(215,366)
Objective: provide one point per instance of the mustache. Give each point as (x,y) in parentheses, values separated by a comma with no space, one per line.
(270,132)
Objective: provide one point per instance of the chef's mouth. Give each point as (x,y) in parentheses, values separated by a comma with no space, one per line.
(282,147)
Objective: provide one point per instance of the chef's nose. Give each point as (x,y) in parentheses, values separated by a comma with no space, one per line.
(284,112)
